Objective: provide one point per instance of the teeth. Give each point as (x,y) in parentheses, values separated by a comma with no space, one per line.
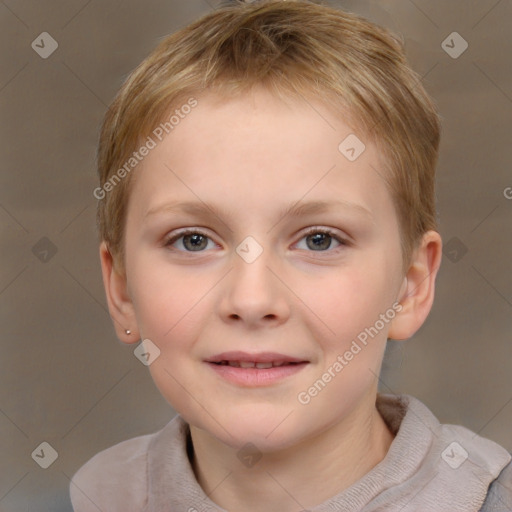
(263,365)
(247,364)
(252,364)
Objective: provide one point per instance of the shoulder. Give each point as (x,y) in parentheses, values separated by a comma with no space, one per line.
(114,479)
(499,496)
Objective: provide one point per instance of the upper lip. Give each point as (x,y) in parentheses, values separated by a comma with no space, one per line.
(260,357)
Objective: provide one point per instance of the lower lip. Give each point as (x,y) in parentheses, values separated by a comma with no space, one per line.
(256,376)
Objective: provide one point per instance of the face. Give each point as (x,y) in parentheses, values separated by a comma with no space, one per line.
(252,276)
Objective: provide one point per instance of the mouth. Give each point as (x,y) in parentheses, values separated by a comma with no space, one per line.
(253,364)
(257,360)
(259,369)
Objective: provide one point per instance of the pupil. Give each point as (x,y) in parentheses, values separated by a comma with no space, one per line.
(320,241)
(195,241)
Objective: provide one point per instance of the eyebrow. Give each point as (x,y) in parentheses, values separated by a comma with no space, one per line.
(295,209)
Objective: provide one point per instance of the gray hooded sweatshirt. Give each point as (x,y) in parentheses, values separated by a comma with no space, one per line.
(429,467)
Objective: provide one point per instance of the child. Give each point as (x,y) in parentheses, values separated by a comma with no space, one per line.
(267,222)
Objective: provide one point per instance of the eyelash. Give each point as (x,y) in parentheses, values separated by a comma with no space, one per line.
(313,230)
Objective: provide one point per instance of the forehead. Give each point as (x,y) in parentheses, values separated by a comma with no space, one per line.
(253,151)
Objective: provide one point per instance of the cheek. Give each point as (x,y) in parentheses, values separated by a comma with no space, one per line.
(347,302)
(170,310)
(166,301)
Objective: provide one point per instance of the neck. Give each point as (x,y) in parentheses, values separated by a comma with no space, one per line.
(300,477)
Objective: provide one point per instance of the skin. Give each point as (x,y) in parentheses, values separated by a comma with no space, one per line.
(251,157)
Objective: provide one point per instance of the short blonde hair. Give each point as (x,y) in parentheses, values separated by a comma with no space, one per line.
(293,49)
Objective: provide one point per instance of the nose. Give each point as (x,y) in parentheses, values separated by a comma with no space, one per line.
(252,294)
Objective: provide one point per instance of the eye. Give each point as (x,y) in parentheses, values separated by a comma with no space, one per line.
(192,240)
(320,239)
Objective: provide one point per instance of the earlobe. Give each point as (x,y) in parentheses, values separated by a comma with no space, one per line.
(119,302)
(417,292)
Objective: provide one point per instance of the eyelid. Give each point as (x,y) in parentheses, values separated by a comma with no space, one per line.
(341,239)
(170,239)
(330,231)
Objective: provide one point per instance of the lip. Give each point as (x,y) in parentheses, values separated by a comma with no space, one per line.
(254,377)
(257,357)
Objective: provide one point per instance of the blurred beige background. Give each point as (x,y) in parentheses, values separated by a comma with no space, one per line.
(64,377)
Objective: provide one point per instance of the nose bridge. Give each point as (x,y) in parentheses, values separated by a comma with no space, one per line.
(252,292)
(252,278)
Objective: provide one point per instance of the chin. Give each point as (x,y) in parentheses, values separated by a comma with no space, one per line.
(268,434)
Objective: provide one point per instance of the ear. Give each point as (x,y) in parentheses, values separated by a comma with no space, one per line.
(119,302)
(417,293)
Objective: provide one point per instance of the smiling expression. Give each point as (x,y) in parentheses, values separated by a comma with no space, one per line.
(249,231)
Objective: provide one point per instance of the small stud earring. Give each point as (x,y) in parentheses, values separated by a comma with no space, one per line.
(127,331)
